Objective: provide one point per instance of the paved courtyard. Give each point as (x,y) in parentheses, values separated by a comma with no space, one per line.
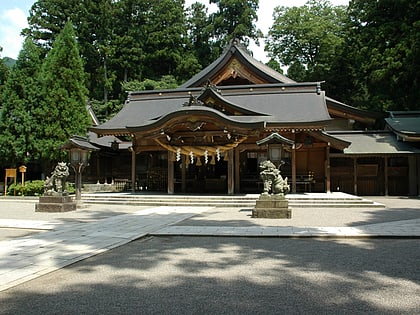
(321,258)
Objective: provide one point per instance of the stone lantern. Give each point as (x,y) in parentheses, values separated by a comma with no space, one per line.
(79,149)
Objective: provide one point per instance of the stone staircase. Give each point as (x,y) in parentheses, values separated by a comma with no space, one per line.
(307,200)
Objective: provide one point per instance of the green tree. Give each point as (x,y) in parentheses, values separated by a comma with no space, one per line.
(62,111)
(94,23)
(307,37)
(235,19)
(4,72)
(166,43)
(20,98)
(129,38)
(200,34)
(165,82)
(382,54)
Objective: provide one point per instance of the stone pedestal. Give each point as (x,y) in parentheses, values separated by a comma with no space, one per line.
(272,207)
(55,203)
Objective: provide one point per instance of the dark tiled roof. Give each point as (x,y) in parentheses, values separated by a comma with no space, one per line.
(273,106)
(380,142)
(80,143)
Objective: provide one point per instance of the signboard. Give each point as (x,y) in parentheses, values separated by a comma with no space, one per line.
(10,173)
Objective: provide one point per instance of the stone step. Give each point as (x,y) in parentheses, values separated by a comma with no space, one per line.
(248,201)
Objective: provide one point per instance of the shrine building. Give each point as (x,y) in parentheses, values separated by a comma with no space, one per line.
(209,135)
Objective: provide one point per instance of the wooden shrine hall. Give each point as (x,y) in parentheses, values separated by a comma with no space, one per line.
(210,134)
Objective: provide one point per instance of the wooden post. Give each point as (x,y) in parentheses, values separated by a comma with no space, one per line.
(355,175)
(386,181)
(184,174)
(237,170)
(327,169)
(294,169)
(133,170)
(412,177)
(231,173)
(170,172)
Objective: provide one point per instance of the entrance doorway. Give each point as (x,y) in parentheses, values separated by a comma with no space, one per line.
(200,177)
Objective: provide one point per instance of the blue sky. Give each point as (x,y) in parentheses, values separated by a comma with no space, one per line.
(13,14)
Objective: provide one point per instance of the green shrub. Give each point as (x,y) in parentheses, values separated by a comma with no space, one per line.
(33,188)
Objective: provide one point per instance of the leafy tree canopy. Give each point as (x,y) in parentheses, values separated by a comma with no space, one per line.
(306,37)
(383,45)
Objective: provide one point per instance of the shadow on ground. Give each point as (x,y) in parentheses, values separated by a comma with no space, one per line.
(202,275)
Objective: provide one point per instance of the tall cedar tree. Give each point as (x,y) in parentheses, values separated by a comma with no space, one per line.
(94,22)
(235,19)
(382,54)
(20,98)
(200,33)
(62,111)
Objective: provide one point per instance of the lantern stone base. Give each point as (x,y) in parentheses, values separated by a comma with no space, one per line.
(57,203)
(272,207)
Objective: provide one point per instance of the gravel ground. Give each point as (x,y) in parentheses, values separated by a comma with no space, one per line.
(396,209)
(202,275)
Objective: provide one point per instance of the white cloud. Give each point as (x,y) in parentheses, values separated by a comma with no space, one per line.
(12,22)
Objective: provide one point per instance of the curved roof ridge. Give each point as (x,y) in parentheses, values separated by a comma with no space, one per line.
(235,48)
(197,109)
(210,91)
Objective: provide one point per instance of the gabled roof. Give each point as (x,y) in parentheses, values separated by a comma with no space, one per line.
(275,138)
(236,52)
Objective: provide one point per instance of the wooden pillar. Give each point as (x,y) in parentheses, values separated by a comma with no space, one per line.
(412,176)
(327,169)
(184,174)
(231,173)
(294,169)
(133,170)
(237,170)
(386,181)
(355,175)
(418,175)
(171,159)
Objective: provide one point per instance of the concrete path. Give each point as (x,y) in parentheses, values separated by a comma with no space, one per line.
(54,243)
(29,257)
